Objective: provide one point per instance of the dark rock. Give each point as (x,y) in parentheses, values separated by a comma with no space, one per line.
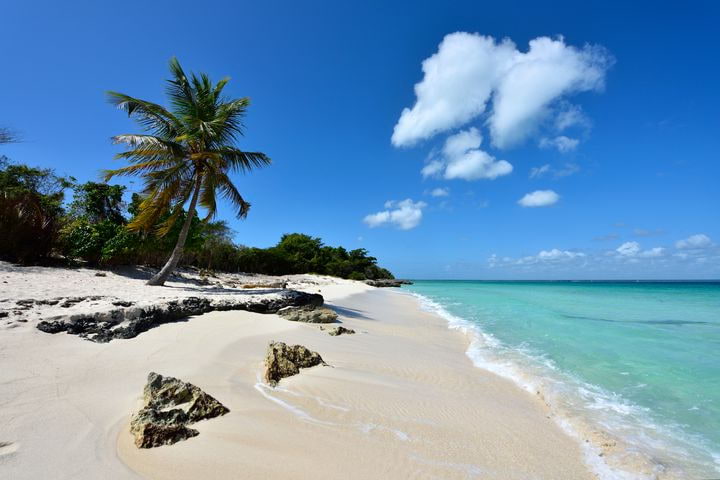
(308,314)
(278,284)
(282,360)
(100,274)
(131,322)
(158,423)
(122,303)
(388,283)
(340,331)
(4,314)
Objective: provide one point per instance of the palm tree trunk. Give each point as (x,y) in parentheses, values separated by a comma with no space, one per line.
(164,273)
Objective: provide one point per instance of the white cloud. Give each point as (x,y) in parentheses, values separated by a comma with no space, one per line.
(462,158)
(696,241)
(628,249)
(537,172)
(632,249)
(552,256)
(653,252)
(562,143)
(569,116)
(539,198)
(404,214)
(470,70)
(567,170)
(440,192)
(433,168)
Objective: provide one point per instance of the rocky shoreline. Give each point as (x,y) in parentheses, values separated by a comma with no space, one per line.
(130,321)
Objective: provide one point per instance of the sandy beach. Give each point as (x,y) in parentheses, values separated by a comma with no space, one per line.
(399,399)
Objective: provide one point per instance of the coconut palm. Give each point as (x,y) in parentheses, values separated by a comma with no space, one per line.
(186,155)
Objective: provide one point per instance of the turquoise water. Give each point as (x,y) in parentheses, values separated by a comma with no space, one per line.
(640,361)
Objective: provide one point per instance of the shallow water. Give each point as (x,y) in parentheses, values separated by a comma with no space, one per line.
(640,361)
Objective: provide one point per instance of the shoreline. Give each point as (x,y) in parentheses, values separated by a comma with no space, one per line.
(633,451)
(401,399)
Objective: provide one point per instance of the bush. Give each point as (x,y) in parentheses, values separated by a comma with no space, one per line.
(30,211)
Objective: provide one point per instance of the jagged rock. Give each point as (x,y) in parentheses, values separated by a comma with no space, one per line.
(388,283)
(340,331)
(122,303)
(308,314)
(105,326)
(158,423)
(282,360)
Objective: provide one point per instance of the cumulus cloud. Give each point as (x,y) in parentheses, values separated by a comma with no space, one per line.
(404,214)
(440,192)
(628,249)
(462,158)
(469,71)
(561,143)
(552,256)
(696,241)
(539,198)
(632,249)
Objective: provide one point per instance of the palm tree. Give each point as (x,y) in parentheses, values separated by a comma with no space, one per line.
(186,155)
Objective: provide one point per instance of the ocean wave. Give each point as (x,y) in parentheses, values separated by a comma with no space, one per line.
(620,440)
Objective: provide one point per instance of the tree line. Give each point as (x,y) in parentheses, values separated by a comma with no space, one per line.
(39,225)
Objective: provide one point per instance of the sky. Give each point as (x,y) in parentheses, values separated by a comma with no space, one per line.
(469,140)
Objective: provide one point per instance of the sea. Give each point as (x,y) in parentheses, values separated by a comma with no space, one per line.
(632,369)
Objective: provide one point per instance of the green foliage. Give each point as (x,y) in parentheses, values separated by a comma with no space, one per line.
(86,240)
(299,253)
(98,202)
(95,231)
(30,211)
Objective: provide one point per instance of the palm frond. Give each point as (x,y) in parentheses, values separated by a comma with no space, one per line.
(150,115)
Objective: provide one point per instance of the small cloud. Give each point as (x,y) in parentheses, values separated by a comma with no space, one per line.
(561,143)
(440,192)
(539,198)
(697,241)
(537,172)
(628,249)
(567,170)
(653,252)
(404,214)
(570,116)
(462,158)
(632,249)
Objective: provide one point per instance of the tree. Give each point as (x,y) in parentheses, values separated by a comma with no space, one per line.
(186,156)
(30,211)
(98,202)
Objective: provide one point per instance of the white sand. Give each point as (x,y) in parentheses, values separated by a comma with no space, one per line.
(401,399)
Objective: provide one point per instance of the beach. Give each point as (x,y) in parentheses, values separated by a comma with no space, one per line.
(398,399)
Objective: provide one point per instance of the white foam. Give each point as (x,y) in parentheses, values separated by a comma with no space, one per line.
(568,396)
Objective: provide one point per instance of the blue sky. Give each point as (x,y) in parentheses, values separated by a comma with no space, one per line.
(611,112)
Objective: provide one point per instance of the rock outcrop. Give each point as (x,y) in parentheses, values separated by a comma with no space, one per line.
(340,331)
(282,360)
(308,314)
(388,283)
(103,326)
(170,405)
